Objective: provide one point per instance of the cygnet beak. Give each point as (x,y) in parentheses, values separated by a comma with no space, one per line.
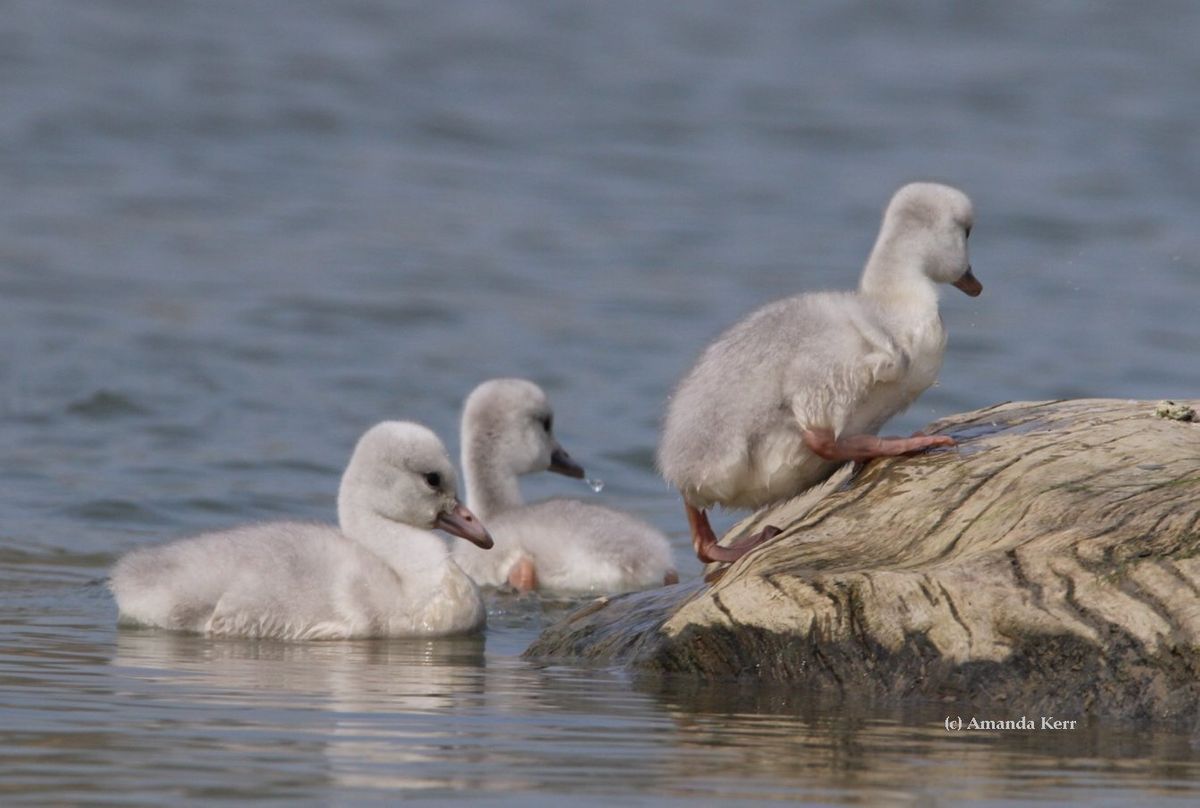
(561,463)
(969,284)
(459,521)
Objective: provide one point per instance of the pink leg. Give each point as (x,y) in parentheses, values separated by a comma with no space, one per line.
(704,541)
(865,447)
(523,575)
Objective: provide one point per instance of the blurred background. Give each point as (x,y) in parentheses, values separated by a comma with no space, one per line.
(235,234)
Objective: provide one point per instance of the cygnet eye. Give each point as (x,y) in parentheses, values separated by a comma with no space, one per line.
(968,231)
(547,422)
(434,479)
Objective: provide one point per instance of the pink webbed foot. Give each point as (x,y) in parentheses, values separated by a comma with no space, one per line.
(523,575)
(708,549)
(822,443)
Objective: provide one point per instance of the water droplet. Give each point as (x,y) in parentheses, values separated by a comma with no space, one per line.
(596,485)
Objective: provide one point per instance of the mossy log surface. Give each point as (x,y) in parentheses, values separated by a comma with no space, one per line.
(1051,561)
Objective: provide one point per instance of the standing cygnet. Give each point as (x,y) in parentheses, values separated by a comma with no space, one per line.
(804,384)
(382,575)
(561,545)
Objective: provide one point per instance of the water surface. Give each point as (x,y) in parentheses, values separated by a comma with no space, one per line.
(235,235)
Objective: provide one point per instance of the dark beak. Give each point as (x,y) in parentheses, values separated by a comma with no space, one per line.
(561,463)
(460,522)
(969,284)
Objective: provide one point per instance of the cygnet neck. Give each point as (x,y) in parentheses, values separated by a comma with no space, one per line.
(895,276)
(492,487)
(404,548)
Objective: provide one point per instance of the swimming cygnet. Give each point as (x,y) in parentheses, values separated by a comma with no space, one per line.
(561,546)
(383,574)
(802,385)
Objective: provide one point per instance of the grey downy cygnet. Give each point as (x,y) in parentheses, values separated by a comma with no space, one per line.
(380,573)
(559,546)
(804,384)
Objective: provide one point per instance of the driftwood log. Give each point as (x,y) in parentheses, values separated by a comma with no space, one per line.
(1050,562)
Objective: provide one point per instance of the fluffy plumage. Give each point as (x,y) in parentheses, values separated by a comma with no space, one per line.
(383,574)
(564,545)
(841,362)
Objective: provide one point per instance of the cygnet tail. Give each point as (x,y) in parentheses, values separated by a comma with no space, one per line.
(154,591)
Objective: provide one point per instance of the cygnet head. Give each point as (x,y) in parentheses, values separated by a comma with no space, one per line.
(400,472)
(926,226)
(510,422)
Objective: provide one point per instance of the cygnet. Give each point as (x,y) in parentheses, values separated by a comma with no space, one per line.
(804,384)
(382,574)
(560,546)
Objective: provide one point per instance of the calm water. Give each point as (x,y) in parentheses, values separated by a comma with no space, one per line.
(234,235)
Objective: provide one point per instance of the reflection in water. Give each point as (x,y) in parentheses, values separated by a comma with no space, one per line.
(90,711)
(373,708)
(903,752)
(413,675)
(382,715)
(441,716)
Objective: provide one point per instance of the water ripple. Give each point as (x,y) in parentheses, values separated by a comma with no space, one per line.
(106,404)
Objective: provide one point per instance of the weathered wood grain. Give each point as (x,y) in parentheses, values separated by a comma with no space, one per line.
(1052,560)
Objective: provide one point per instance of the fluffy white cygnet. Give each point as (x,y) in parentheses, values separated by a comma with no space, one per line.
(560,546)
(802,385)
(383,574)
